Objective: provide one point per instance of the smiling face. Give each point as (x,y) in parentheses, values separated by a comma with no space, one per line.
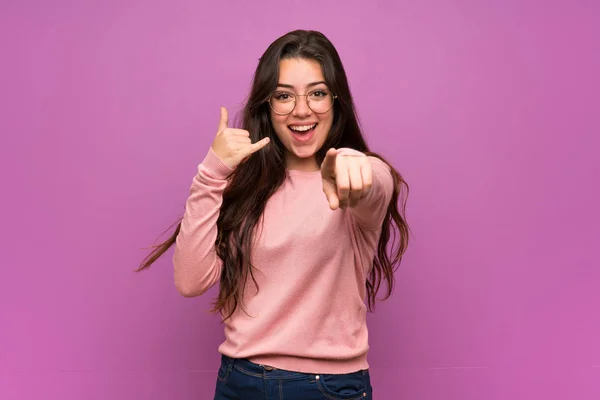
(303,131)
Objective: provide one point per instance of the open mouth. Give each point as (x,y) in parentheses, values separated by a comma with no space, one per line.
(302,132)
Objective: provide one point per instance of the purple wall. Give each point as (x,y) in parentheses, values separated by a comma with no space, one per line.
(489,109)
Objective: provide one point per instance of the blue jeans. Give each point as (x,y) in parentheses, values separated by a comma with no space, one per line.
(240,379)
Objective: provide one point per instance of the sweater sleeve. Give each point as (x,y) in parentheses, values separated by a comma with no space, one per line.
(196,264)
(371,210)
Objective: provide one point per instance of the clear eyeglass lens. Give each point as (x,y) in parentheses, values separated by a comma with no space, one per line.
(283,102)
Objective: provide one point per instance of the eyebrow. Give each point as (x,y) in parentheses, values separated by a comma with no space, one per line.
(309,85)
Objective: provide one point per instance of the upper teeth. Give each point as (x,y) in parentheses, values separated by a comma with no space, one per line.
(302,128)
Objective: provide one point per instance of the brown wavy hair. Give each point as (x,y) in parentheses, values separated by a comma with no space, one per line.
(254,182)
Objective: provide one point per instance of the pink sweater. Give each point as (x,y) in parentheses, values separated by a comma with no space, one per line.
(309,314)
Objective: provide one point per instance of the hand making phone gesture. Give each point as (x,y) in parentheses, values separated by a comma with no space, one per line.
(233,146)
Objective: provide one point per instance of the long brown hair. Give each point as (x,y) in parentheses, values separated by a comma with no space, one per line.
(254,182)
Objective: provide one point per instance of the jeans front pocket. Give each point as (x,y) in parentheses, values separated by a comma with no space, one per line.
(352,386)
(224,370)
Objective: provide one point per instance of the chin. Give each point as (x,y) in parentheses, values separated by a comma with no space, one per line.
(305,152)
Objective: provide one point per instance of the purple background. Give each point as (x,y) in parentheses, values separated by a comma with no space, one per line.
(489,109)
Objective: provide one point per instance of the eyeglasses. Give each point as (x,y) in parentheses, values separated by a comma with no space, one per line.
(284,102)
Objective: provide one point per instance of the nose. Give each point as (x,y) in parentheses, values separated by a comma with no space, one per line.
(302,109)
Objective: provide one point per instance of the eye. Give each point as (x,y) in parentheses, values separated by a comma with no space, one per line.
(282,96)
(319,93)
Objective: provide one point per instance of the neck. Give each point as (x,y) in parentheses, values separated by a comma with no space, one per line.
(302,164)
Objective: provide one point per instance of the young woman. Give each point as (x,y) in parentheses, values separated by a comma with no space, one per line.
(292,215)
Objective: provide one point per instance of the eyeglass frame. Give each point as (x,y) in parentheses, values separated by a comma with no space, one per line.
(307,101)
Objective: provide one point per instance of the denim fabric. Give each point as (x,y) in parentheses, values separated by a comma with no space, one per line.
(240,379)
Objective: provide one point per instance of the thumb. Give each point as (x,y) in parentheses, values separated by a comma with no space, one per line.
(224,119)
(331,195)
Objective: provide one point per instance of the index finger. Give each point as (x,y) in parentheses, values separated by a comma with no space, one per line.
(328,165)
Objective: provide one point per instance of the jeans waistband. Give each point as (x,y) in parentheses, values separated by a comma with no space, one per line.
(266,371)
(260,371)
